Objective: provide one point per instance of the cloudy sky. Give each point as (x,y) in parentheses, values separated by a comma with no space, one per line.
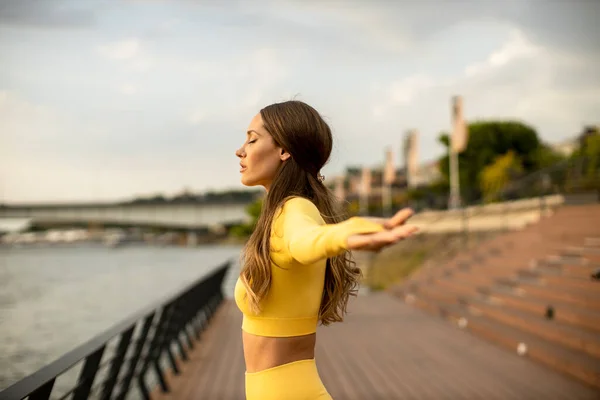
(106,100)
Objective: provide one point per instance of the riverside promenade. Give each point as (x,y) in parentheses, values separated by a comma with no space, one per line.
(384,349)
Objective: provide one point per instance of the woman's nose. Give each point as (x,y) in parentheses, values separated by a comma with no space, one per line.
(239,153)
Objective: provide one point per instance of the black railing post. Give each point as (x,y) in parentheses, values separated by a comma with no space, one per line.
(163,344)
(177,326)
(188,312)
(189,317)
(154,352)
(201,316)
(141,341)
(116,363)
(43,392)
(170,334)
(185,317)
(88,374)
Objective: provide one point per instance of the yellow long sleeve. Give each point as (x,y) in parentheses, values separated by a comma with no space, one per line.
(299,237)
(308,238)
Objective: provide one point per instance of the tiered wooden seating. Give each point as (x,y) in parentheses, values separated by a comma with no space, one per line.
(531,291)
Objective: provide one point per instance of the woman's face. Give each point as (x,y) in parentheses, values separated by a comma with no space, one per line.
(259,155)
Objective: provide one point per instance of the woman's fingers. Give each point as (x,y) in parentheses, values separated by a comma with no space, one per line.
(377,220)
(378,240)
(399,218)
(404,231)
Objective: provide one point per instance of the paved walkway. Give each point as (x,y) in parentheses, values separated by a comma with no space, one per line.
(384,350)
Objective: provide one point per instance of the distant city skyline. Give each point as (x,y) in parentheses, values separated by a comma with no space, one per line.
(103,101)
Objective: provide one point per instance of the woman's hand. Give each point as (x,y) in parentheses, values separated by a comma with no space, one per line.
(395,230)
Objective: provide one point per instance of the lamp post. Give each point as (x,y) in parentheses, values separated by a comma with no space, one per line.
(458,142)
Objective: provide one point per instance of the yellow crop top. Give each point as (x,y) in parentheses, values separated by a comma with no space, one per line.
(301,242)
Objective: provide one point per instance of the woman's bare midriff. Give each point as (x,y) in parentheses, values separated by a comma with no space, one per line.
(262,352)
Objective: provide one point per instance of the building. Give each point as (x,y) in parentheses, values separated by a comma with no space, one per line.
(367,184)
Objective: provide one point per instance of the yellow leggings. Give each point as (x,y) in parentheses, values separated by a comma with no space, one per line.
(298,380)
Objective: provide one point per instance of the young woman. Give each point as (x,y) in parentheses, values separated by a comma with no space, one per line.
(296,270)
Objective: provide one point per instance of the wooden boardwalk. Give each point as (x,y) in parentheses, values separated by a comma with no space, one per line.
(383,350)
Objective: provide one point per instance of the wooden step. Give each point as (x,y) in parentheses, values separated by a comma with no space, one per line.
(591,254)
(567,361)
(463,290)
(433,293)
(585,286)
(562,312)
(545,294)
(564,269)
(589,295)
(570,362)
(592,242)
(550,330)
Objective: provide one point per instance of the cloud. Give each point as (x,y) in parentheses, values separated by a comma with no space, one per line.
(196,116)
(551,90)
(121,50)
(517,46)
(129,52)
(51,156)
(45,14)
(251,82)
(128,89)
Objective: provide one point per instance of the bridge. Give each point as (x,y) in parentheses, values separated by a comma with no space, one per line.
(169,215)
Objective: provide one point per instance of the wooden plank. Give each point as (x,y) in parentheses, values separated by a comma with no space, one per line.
(384,349)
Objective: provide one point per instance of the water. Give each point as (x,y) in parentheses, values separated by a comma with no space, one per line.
(53,299)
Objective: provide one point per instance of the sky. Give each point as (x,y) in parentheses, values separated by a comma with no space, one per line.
(109,100)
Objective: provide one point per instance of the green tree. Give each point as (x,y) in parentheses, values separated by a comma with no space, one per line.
(488,140)
(590,154)
(545,157)
(496,175)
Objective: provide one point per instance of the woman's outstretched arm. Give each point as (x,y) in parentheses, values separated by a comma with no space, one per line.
(308,239)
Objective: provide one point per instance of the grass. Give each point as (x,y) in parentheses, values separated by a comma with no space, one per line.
(399,262)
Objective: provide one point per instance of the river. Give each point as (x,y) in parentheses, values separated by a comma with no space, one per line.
(53,298)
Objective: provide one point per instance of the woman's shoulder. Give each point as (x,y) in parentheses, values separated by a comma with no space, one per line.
(300,205)
(297,201)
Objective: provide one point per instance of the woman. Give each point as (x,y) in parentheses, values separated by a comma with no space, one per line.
(296,266)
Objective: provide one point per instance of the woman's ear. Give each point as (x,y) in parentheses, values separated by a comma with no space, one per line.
(284,155)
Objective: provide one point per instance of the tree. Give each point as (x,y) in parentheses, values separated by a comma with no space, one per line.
(589,153)
(545,157)
(495,176)
(488,140)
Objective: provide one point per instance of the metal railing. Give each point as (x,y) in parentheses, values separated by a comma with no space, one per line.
(109,369)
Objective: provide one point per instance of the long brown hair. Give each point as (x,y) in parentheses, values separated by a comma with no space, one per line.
(300,130)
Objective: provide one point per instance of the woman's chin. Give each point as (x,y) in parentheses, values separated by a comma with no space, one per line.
(247,182)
